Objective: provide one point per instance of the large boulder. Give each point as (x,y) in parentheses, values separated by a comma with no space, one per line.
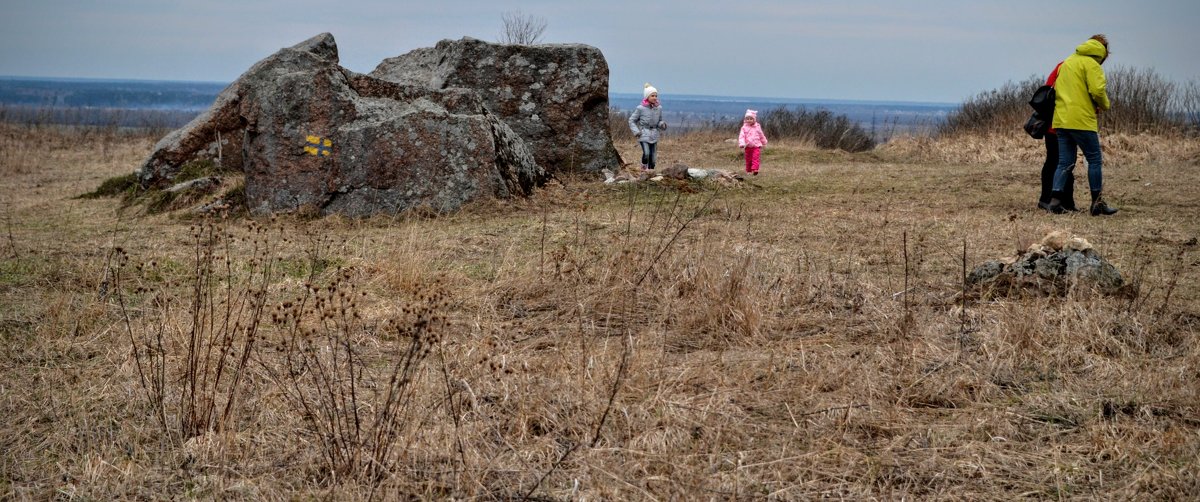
(555,96)
(311,135)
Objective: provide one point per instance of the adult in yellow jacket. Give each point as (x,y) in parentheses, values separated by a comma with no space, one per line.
(1080,95)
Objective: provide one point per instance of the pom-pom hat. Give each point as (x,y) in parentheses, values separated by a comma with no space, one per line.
(648,90)
(752,113)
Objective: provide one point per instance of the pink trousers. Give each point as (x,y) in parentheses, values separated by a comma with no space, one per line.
(752,154)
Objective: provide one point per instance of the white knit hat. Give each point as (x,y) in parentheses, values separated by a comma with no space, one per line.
(648,90)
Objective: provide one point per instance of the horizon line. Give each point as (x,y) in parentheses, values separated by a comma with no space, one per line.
(808,100)
(739,98)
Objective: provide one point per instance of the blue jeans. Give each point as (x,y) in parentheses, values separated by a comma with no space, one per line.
(1089,142)
(649,154)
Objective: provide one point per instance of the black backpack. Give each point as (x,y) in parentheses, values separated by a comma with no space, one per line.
(1043,112)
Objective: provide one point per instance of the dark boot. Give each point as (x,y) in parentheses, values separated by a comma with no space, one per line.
(1068,195)
(1055,205)
(1099,207)
(1068,202)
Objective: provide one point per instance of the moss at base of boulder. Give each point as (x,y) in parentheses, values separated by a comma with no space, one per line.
(113,187)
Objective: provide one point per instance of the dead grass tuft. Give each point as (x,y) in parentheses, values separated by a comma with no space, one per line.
(1119,149)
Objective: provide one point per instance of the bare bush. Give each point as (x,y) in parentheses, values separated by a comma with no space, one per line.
(1189,105)
(996,111)
(618,125)
(355,412)
(192,352)
(521,28)
(821,127)
(1142,102)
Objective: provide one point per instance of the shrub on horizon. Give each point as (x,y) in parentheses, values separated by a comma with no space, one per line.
(821,127)
(1142,102)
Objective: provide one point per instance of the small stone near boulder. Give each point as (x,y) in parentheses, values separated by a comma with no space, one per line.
(204,184)
(1054,266)
(678,171)
(623,176)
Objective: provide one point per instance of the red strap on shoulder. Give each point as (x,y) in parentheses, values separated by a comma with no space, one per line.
(1053,75)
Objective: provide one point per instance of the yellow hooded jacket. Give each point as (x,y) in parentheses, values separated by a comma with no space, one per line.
(1080,88)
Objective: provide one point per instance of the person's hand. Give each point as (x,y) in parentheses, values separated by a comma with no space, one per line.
(662,125)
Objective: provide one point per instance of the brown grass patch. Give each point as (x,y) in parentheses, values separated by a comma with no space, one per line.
(1119,149)
(778,341)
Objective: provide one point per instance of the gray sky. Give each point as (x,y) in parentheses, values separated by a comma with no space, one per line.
(937,50)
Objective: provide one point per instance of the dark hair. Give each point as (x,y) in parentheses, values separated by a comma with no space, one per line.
(1100,37)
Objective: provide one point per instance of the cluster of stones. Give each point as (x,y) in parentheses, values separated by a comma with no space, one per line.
(1055,265)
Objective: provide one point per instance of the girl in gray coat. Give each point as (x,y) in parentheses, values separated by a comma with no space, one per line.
(645,122)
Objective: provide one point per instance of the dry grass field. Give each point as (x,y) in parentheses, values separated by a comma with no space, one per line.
(800,336)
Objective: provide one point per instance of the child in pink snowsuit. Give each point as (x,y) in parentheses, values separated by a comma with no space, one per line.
(751,140)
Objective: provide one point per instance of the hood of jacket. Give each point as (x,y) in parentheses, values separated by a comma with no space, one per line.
(1092,48)
(1081,89)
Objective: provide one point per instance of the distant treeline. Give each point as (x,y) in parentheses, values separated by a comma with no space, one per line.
(123,94)
(149,119)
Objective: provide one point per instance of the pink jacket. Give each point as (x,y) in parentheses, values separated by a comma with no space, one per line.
(752,136)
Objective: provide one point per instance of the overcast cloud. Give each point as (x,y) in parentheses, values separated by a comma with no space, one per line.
(938,50)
